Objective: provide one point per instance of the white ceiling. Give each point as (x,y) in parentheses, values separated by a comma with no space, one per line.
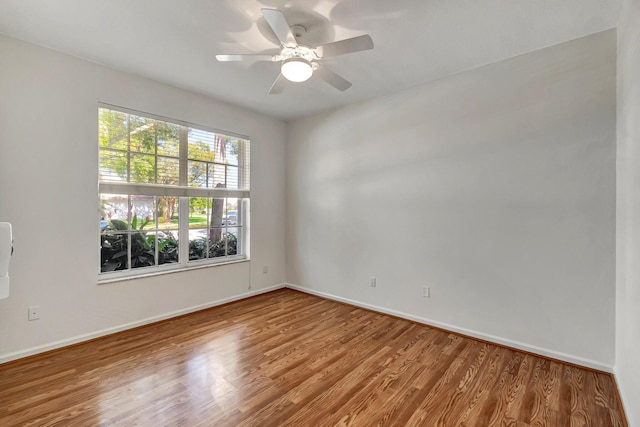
(415,40)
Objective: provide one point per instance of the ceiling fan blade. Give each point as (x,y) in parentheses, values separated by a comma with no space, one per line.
(333,79)
(355,44)
(278,85)
(244,57)
(280,27)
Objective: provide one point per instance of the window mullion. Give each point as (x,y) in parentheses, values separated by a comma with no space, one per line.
(155,223)
(183,230)
(183,202)
(241,176)
(129,240)
(128,148)
(183,177)
(155,154)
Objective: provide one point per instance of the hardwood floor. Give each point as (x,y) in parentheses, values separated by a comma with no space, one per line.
(290,359)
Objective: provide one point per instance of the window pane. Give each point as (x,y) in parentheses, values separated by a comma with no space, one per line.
(168,173)
(167,246)
(233,213)
(222,217)
(232,177)
(142,250)
(143,134)
(198,244)
(231,217)
(143,168)
(113,165)
(168,139)
(232,148)
(142,212)
(198,217)
(218,209)
(197,174)
(168,213)
(201,145)
(114,211)
(232,241)
(113,251)
(217,176)
(113,129)
(218,243)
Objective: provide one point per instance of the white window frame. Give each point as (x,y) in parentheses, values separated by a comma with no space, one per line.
(183,191)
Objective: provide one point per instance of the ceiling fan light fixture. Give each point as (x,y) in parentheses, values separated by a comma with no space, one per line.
(298,62)
(296,69)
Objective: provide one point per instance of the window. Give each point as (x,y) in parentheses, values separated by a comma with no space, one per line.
(172,195)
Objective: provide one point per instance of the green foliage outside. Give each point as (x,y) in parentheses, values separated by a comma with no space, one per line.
(115,243)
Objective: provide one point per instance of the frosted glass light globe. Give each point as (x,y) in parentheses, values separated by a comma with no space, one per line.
(296,69)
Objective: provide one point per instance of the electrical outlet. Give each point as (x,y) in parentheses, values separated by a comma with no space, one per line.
(372,282)
(265,269)
(426,292)
(34,312)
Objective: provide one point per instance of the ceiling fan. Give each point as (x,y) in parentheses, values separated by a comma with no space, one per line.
(300,62)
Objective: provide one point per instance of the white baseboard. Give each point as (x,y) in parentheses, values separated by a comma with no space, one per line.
(486,337)
(475,334)
(85,337)
(624,401)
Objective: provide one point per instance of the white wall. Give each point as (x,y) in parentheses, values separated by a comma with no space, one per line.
(48,190)
(628,212)
(495,187)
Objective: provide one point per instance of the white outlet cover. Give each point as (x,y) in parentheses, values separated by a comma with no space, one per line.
(34,312)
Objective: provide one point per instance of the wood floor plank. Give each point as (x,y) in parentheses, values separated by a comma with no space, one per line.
(287,358)
(477,396)
(495,406)
(385,393)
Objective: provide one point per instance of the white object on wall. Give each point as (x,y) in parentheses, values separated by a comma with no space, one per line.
(6,248)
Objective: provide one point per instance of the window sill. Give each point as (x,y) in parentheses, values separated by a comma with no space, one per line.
(106,280)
